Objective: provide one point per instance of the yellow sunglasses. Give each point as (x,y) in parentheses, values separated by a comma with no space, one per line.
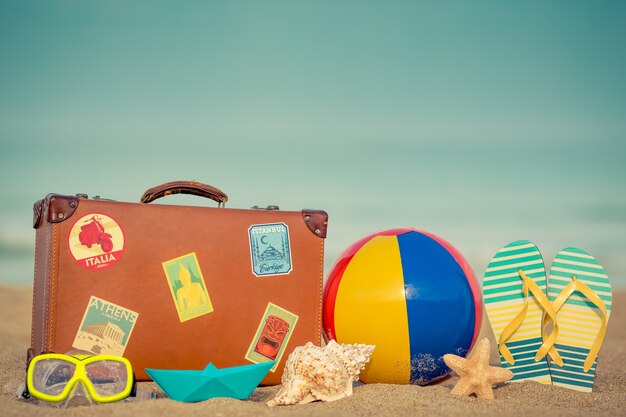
(53,376)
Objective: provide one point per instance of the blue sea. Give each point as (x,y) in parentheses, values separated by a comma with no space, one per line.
(481,123)
(479,197)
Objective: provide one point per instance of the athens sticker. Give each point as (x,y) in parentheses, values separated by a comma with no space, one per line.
(187,286)
(270,249)
(272,336)
(96,241)
(105,329)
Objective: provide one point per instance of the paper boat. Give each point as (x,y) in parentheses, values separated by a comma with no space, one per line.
(193,386)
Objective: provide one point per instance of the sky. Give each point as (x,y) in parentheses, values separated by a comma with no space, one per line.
(161,71)
(487,122)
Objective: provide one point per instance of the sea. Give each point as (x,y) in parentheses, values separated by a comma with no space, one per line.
(477,195)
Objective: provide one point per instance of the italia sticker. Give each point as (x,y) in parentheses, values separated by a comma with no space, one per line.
(96,241)
(270,249)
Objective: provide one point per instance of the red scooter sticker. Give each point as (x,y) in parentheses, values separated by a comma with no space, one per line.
(96,241)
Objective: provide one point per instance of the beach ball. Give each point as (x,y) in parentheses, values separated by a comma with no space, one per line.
(409,293)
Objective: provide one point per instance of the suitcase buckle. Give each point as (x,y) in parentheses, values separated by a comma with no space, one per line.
(270,207)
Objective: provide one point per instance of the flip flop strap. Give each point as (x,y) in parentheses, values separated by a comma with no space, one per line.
(581,287)
(548,344)
(540,297)
(547,347)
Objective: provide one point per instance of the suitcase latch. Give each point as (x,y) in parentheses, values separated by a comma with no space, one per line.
(95,197)
(270,207)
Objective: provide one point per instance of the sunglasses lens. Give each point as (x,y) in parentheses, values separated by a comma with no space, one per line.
(50,376)
(108,377)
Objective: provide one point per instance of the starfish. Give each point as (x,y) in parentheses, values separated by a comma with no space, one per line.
(477,377)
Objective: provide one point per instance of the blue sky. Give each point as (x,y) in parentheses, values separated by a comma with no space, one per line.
(250,71)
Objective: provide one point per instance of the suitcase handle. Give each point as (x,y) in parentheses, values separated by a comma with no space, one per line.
(184,187)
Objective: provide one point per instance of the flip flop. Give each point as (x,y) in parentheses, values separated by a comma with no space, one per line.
(581,294)
(513,292)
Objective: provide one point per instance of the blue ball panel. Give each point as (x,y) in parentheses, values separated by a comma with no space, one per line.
(440,305)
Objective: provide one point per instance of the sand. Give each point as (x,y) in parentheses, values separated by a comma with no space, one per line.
(518,399)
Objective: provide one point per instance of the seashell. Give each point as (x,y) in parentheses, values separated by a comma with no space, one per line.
(321,373)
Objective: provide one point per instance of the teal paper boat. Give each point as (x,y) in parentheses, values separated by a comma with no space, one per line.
(193,386)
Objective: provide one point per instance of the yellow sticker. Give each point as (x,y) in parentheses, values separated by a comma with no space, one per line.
(187,287)
(272,335)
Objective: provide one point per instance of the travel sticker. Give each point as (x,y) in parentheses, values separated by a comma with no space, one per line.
(272,336)
(105,329)
(270,249)
(96,241)
(187,287)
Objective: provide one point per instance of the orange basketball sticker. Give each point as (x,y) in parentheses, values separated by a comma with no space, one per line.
(96,241)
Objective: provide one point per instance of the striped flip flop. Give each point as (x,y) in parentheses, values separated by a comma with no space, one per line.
(513,290)
(581,294)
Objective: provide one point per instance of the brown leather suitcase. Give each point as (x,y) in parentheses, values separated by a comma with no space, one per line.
(176,287)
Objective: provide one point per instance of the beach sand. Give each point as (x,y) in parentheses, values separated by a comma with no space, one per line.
(523,399)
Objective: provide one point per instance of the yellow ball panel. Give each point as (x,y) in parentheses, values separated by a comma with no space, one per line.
(370,308)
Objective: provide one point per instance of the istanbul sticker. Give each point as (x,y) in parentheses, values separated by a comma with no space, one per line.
(105,329)
(272,336)
(270,249)
(187,286)
(96,241)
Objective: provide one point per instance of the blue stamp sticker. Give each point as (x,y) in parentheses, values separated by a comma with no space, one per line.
(270,249)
